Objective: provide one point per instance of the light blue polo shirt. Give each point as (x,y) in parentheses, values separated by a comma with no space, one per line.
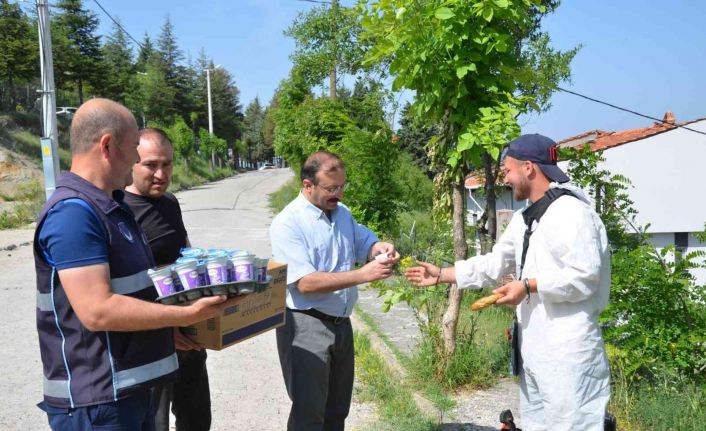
(307,241)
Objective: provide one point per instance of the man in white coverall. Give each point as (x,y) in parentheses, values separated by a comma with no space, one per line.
(562,288)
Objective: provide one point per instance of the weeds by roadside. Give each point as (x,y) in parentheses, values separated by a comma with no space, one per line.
(396,407)
(29,199)
(283,196)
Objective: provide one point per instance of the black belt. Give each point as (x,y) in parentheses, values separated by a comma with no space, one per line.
(321,316)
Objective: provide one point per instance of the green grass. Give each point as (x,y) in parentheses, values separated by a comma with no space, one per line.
(396,407)
(481,355)
(670,405)
(29,198)
(196,172)
(432,391)
(283,196)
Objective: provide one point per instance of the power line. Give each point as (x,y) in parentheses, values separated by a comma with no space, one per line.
(629,110)
(118,24)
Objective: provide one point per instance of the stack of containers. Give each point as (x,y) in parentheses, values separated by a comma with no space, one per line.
(198,267)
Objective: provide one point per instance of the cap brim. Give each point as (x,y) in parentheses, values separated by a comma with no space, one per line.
(554,173)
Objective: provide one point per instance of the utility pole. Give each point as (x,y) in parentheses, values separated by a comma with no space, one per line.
(50,134)
(210,115)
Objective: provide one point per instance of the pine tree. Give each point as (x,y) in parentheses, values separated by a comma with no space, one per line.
(253,127)
(18,52)
(117,53)
(79,61)
(170,59)
(145,54)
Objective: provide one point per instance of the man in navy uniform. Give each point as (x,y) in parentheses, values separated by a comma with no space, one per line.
(104,342)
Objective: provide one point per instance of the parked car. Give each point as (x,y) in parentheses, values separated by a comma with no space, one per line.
(267,165)
(67,111)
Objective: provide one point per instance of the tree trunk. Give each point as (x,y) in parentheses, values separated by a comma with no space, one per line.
(13,96)
(79,84)
(490,203)
(449,322)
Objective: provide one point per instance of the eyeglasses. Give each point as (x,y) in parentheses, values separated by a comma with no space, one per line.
(334,189)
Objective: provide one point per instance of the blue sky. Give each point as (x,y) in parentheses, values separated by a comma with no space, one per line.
(644,55)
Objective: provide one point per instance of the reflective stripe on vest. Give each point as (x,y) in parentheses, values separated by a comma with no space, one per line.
(121,285)
(135,376)
(124,378)
(131,283)
(44,302)
(56,388)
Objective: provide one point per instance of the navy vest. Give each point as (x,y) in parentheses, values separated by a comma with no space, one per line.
(83,367)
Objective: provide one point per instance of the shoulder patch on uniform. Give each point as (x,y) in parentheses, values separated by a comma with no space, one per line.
(125,230)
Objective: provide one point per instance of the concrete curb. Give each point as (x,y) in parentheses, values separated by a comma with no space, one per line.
(424,405)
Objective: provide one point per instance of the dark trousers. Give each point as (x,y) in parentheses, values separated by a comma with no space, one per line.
(135,413)
(318,366)
(189,396)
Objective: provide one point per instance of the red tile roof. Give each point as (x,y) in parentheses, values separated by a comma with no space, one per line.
(600,139)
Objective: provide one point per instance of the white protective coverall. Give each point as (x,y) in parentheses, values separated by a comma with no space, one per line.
(565,378)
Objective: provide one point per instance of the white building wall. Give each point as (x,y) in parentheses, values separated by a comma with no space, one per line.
(666,175)
(666,172)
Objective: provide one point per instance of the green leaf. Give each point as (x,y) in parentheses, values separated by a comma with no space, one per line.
(443,13)
(502,3)
(461,72)
(400,12)
(488,14)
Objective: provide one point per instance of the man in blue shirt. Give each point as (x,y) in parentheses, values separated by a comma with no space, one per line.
(317,237)
(103,340)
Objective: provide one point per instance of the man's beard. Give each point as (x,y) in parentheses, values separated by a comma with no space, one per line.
(521,190)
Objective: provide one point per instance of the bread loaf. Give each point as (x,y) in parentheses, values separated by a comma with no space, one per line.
(486,301)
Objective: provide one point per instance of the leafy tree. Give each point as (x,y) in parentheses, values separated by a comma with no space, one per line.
(326,44)
(268,129)
(78,58)
(121,74)
(154,97)
(371,162)
(465,69)
(18,51)
(225,101)
(366,104)
(253,128)
(213,144)
(414,134)
(182,138)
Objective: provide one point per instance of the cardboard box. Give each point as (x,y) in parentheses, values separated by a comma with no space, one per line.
(257,313)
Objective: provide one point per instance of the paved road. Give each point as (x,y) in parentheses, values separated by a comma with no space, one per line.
(246,383)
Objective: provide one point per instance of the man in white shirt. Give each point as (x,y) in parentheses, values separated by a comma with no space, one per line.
(317,237)
(563,285)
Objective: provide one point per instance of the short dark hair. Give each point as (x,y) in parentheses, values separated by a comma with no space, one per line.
(159,135)
(316,161)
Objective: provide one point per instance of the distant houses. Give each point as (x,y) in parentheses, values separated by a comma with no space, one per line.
(666,165)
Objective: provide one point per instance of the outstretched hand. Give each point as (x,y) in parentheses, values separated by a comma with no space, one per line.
(514,292)
(423,275)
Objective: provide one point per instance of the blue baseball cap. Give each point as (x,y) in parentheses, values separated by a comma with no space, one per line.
(537,149)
